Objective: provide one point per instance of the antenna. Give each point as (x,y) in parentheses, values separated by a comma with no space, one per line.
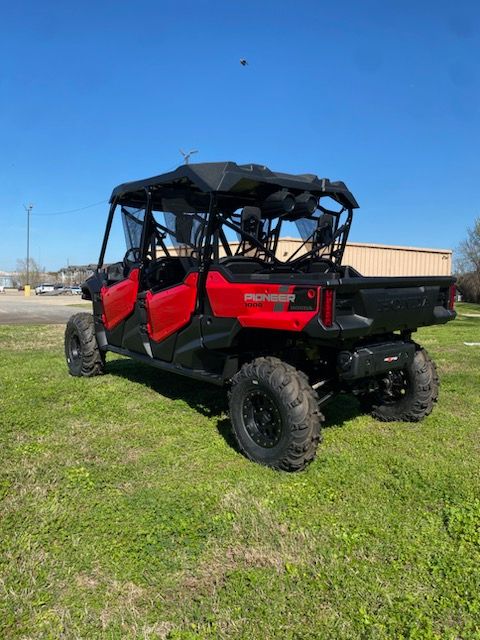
(186,156)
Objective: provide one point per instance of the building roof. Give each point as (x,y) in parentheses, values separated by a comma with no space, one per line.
(372,245)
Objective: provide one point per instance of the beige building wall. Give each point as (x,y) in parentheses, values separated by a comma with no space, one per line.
(386,260)
(383,260)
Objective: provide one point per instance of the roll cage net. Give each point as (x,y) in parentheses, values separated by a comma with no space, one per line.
(178,229)
(132,219)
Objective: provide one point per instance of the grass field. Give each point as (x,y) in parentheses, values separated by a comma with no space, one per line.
(125,511)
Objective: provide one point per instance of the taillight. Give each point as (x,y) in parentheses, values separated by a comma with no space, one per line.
(327,307)
(451,297)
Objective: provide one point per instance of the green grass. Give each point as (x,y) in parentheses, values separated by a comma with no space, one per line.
(468,307)
(125,511)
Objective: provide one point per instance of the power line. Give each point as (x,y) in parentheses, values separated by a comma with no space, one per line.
(96,204)
(61,213)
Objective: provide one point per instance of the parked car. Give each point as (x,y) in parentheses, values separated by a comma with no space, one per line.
(44,288)
(75,290)
(58,290)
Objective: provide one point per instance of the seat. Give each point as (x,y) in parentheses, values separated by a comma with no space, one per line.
(240,265)
(319,267)
(166,272)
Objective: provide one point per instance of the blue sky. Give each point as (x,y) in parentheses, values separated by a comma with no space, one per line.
(383,95)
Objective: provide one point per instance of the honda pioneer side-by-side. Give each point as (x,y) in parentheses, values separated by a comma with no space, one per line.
(206,289)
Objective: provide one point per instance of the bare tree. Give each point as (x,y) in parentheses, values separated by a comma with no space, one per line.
(35,272)
(468,264)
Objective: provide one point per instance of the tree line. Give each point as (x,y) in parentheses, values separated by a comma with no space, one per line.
(33,276)
(468,265)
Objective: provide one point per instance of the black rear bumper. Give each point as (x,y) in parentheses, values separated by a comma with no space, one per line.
(374,360)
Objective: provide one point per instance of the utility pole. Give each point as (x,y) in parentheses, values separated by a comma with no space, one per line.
(29,211)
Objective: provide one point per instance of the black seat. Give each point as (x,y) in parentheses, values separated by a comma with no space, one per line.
(319,267)
(240,265)
(166,272)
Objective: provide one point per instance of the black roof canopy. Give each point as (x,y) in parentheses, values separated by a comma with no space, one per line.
(231,179)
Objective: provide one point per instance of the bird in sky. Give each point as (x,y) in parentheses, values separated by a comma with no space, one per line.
(243,62)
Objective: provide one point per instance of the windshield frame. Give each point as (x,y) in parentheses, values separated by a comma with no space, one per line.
(120,203)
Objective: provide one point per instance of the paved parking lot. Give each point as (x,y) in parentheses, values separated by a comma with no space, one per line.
(15,308)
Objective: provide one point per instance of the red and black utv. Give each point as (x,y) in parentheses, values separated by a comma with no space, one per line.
(203,291)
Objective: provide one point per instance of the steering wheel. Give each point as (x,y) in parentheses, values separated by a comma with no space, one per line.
(136,256)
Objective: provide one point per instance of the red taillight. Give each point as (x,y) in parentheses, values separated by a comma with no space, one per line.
(451,297)
(327,308)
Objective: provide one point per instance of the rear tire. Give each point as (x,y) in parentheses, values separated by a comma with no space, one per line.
(415,400)
(84,358)
(275,416)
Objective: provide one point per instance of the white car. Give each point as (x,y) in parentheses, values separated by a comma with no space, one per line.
(44,288)
(75,290)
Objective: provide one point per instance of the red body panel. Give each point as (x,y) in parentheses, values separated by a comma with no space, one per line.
(118,300)
(170,310)
(227,300)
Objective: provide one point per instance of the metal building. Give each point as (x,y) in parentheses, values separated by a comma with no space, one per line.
(6,278)
(384,260)
(387,260)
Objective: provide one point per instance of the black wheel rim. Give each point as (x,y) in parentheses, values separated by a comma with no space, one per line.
(74,348)
(262,418)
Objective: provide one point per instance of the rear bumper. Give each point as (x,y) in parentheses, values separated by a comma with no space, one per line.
(374,360)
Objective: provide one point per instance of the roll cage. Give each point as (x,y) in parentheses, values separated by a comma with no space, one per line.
(264,244)
(199,227)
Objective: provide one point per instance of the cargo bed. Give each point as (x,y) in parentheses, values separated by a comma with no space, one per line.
(367,306)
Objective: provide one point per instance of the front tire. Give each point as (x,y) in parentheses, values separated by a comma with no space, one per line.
(84,358)
(408,395)
(275,416)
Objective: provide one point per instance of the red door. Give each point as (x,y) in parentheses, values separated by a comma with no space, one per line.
(118,300)
(171,309)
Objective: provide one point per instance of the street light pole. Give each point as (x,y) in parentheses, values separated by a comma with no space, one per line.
(29,211)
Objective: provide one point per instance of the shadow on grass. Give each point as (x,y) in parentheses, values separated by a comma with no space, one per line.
(208,399)
(342,409)
(211,400)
